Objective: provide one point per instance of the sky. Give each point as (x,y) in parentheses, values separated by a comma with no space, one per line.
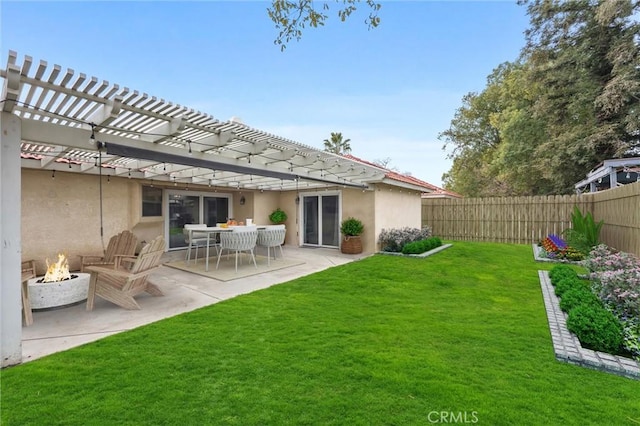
(390,90)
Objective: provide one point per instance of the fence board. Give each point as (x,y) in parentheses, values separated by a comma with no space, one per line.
(526,220)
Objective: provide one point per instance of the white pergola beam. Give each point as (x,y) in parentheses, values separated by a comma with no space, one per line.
(168,129)
(106,113)
(11,89)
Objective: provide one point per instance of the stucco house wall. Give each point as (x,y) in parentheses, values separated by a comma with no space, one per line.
(62,214)
(361,205)
(397,208)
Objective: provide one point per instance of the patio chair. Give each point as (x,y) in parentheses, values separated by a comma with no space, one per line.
(28,269)
(119,284)
(122,244)
(242,239)
(196,239)
(272,236)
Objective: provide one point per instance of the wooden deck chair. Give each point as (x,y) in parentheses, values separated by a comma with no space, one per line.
(119,284)
(28,271)
(123,244)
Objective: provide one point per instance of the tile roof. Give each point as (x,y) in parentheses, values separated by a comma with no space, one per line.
(430,189)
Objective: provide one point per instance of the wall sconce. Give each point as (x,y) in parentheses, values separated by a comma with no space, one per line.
(242,200)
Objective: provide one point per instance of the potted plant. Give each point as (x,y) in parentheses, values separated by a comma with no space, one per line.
(351,229)
(278,216)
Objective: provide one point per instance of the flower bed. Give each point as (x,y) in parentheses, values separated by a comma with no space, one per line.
(604,311)
(615,279)
(554,248)
(409,241)
(393,240)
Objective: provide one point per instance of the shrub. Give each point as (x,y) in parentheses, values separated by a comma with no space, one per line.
(564,284)
(395,239)
(576,296)
(602,258)
(421,246)
(561,271)
(351,227)
(615,279)
(278,216)
(596,328)
(631,336)
(620,290)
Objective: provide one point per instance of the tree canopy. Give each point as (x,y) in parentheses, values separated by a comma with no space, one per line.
(569,102)
(291,17)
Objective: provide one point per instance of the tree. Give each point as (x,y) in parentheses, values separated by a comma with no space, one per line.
(291,17)
(570,102)
(385,163)
(336,144)
(584,56)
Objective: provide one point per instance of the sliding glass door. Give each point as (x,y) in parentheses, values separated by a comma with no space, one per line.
(321,220)
(187,207)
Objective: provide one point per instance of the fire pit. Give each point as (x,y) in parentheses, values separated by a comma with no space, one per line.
(58,287)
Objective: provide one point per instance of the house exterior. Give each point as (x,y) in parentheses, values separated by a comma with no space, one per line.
(609,174)
(83,159)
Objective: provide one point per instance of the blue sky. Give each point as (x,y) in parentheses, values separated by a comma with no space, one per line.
(390,90)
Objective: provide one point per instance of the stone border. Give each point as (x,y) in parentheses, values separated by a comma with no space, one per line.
(425,254)
(536,256)
(567,347)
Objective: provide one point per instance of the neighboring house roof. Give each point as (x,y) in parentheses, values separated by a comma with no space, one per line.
(441,193)
(610,174)
(392,177)
(75,123)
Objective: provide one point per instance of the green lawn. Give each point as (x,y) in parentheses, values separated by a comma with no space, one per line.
(382,341)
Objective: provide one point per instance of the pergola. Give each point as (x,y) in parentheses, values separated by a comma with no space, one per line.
(52,119)
(74,123)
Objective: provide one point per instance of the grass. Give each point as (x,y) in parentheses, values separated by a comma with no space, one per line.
(382,341)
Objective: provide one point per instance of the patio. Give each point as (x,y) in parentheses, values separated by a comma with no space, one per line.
(103,158)
(61,329)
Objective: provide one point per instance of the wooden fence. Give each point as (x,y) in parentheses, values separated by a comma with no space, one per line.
(526,220)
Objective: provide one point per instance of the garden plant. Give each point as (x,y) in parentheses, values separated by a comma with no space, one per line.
(615,279)
(584,233)
(394,239)
(556,248)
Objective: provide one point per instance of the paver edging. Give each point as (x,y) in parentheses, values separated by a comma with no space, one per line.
(425,254)
(567,347)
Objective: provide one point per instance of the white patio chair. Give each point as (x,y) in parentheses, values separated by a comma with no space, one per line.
(193,238)
(272,236)
(240,240)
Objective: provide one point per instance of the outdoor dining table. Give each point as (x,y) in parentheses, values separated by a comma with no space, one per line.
(213,230)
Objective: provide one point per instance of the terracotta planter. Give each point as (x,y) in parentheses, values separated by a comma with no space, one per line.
(351,245)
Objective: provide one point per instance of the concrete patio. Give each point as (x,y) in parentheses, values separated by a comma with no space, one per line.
(61,329)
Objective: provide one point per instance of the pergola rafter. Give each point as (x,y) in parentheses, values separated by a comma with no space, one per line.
(61,110)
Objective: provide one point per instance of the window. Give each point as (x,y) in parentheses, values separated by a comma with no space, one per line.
(151,201)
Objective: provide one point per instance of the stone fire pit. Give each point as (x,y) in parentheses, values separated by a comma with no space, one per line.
(59,293)
(58,287)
